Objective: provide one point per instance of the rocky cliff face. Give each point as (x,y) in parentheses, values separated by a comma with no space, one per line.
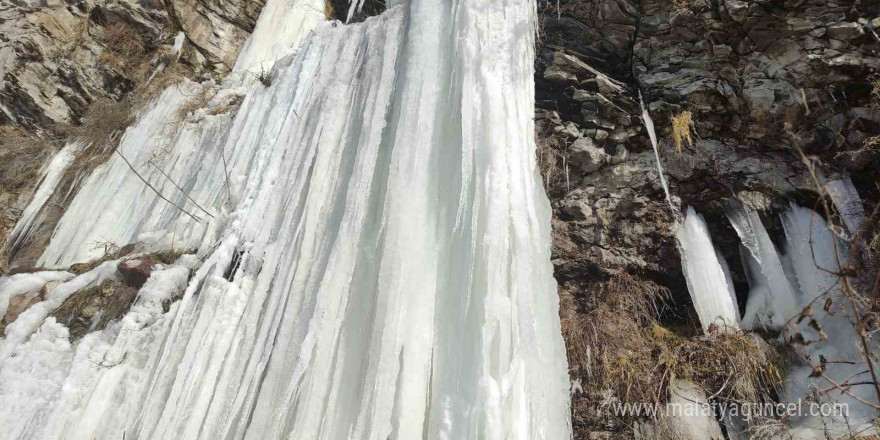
(57,57)
(61,60)
(770,86)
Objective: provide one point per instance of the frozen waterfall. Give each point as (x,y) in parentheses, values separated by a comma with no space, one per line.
(772,300)
(52,175)
(707,275)
(804,277)
(814,253)
(373,249)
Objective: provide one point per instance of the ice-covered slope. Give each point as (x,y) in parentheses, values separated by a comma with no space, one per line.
(376,264)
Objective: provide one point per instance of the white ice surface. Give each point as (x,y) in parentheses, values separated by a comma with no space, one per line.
(391,239)
(708,282)
(847,202)
(52,175)
(772,299)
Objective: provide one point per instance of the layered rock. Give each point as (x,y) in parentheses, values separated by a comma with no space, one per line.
(770,86)
(217,28)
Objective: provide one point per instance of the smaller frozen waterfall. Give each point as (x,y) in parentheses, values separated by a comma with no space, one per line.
(798,293)
(815,254)
(772,299)
(52,175)
(708,280)
(847,202)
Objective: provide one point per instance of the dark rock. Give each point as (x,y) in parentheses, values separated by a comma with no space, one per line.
(585,155)
(844,31)
(135,271)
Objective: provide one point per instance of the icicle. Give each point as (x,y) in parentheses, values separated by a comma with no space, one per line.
(171,57)
(51,177)
(772,300)
(848,203)
(811,248)
(707,280)
(649,125)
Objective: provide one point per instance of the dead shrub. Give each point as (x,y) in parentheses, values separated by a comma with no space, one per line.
(618,350)
(682,128)
(125,45)
(266,76)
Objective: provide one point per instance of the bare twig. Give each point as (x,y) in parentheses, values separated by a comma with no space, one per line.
(153,188)
(179,188)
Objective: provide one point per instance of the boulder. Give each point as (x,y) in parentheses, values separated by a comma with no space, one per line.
(844,31)
(576,209)
(558,75)
(689,413)
(737,9)
(135,271)
(20,303)
(585,155)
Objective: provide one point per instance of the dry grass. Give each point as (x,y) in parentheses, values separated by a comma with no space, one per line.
(105,117)
(328,10)
(125,47)
(93,308)
(195,102)
(618,349)
(682,129)
(110,251)
(22,156)
(551,158)
(681,6)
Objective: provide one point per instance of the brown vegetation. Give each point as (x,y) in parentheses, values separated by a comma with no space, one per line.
(94,307)
(22,156)
(618,350)
(682,128)
(193,103)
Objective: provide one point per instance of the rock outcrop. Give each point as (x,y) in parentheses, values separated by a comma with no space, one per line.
(62,59)
(217,28)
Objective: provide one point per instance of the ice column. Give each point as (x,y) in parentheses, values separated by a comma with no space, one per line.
(51,177)
(708,282)
(848,203)
(772,300)
(280,29)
